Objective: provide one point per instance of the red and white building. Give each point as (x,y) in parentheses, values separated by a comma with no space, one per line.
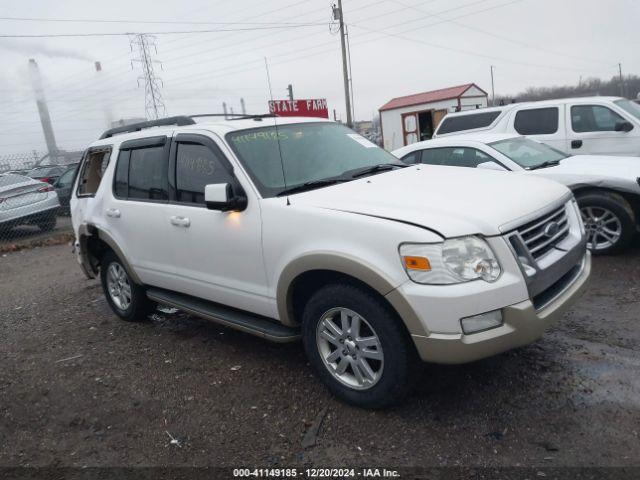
(414,118)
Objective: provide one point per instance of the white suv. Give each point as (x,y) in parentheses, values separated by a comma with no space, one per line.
(290,228)
(576,126)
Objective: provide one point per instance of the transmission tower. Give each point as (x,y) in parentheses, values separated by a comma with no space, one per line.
(143,44)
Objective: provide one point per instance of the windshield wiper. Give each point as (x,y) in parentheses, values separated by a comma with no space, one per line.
(381,167)
(548,163)
(310,186)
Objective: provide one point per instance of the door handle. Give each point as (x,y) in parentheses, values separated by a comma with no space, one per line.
(576,143)
(113,213)
(180,221)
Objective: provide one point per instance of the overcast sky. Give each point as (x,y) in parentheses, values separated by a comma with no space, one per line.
(398,47)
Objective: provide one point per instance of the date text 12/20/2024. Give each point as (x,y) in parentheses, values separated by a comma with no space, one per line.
(315,473)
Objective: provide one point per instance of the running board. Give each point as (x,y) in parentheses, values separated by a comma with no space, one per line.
(230,317)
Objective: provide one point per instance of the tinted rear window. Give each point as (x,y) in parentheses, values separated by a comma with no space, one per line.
(537,121)
(467,122)
(148,174)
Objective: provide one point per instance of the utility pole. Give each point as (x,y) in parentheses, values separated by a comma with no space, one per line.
(493,90)
(244,110)
(337,15)
(153,103)
(621,80)
(290,90)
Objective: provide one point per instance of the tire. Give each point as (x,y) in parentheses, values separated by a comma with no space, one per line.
(603,213)
(393,374)
(136,306)
(47,224)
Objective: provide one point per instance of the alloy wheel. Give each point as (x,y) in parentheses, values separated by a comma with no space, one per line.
(118,286)
(603,227)
(350,348)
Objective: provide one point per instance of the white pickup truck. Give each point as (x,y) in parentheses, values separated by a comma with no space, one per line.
(300,228)
(576,126)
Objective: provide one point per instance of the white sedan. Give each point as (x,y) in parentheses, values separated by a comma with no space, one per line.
(607,188)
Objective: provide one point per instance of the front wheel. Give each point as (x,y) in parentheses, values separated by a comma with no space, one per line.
(609,222)
(358,346)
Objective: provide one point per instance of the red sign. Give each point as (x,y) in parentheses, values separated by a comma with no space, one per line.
(313,107)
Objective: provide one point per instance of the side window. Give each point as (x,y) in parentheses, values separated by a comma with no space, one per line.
(148,174)
(411,158)
(455,157)
(537,121)
(121,179)
(197,166)
(469,121)
(66,178)
(94,165)
(593,118)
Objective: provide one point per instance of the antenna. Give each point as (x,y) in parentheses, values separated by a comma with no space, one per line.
(275,124)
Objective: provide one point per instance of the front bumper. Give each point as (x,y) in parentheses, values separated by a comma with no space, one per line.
(522,325)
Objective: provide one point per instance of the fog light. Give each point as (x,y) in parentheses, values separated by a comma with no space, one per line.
(479,323)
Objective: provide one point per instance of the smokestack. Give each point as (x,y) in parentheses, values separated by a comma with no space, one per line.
(104,99)
(45,120)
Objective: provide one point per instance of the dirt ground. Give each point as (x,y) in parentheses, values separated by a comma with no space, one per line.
(78,387)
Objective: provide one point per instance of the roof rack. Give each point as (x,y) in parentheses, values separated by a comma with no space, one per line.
(234,116)
(179,121)
(136,127)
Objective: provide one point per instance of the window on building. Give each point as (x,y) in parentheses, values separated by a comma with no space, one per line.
(593,118)
(537,121)
(197,166)
(148,174)
(467,122)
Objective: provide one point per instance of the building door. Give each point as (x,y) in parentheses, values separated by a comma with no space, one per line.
(410,128)
(438,115)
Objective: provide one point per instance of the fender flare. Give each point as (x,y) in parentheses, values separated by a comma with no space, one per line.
(328,261)
(85,231)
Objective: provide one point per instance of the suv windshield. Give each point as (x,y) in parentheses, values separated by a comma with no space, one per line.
(527,153)
(629,106)
(311,152)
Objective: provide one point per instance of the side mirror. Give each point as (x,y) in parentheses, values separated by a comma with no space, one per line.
(491,166)
(623,126)
(220,196)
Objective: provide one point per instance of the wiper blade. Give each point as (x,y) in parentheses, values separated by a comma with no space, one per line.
(548,163)
(382,167)
(309,186)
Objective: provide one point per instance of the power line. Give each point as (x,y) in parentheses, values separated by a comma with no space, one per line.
(174,32)
(168,22)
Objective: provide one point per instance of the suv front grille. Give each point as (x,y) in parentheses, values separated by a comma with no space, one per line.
(544,233)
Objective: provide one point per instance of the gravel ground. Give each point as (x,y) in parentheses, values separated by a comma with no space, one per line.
(78,387)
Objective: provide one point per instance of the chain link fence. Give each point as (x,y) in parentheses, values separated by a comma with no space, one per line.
(35,189)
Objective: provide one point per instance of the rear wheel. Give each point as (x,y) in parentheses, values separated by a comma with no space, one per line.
(608,220)
(127,299)
(358,346)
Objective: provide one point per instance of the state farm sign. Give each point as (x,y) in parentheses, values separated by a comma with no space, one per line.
(313,107)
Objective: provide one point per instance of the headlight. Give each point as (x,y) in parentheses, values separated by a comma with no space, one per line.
(455,260)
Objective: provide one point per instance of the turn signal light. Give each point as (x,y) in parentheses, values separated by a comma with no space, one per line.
(417,263)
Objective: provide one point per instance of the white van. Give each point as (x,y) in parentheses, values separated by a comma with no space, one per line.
(576,126)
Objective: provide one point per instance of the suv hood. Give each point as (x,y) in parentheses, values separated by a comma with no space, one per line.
(452,201)
(596,170)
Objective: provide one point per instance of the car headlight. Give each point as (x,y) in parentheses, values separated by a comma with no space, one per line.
(455,260)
